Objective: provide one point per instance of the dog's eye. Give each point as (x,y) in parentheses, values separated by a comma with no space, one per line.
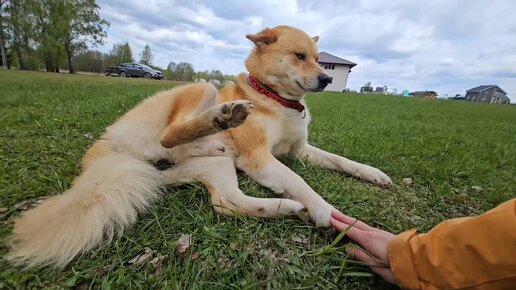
(300,56)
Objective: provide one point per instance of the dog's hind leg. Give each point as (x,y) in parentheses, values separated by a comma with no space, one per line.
(219,176)
(194,115)
(215,119)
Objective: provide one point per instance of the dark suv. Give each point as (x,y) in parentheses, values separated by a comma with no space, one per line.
(134,70)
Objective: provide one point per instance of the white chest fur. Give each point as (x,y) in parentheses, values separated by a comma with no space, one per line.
(289,132)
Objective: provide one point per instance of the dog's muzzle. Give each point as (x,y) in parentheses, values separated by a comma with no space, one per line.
(324,80)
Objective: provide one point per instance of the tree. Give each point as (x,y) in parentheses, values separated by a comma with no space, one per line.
(49,31)
(49,21)
(35,32)
(217,75)
(120,53)
(203,75)
(170,73)
(20,29)
(83,24)
(230,78)
(146,57)
(184,72)
(90,61)
(3,33)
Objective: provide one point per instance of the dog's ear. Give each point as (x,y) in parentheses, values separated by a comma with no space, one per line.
(262,38)
(316,38)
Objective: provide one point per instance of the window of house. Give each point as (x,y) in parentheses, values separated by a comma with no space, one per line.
(331,80)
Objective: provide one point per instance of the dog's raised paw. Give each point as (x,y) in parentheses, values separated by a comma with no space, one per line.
(232,114)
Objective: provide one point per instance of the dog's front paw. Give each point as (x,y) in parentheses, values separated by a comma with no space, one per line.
(374,175)
(321,215)
(232,114)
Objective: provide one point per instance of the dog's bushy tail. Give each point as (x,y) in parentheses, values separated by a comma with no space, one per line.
(102,202)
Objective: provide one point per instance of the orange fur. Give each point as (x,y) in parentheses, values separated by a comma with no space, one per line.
(96,151)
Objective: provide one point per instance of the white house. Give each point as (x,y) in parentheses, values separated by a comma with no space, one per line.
(337,69)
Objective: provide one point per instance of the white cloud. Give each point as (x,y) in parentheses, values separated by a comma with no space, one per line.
(447,46)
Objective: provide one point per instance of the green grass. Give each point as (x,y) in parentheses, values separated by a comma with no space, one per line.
(446,147)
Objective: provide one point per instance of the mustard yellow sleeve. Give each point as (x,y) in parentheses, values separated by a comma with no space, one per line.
(464,253)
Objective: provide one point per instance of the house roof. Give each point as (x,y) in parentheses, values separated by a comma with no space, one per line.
(325,57)
(483,88)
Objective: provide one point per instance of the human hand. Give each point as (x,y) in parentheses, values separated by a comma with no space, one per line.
(373,240)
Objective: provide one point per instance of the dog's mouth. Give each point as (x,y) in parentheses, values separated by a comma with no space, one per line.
(301,86)
(318,89)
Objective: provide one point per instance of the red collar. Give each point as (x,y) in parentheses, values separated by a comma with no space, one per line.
(270,93)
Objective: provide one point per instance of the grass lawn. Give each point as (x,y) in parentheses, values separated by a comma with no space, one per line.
(446,147)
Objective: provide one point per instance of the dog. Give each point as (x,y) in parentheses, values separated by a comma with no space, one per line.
(194,133)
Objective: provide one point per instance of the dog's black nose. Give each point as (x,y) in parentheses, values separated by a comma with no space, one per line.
(324,79)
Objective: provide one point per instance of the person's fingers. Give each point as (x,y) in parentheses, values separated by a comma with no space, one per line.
(353,233)
(360,255)
(350,220)
(376,266)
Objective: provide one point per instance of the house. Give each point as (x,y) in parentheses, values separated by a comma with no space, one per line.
(380,90)
(366,89)
(337,69)
(487,94)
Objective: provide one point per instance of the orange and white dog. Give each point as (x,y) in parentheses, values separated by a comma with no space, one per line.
(194,133)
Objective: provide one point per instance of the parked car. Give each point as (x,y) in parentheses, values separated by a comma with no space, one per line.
(135,70)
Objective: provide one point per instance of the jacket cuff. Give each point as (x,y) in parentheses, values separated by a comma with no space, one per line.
(402,264)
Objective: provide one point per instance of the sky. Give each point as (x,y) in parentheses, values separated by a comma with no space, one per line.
(441,45)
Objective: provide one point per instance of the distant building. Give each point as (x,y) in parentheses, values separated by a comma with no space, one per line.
(487,94)
(337,69)
(380,90)
(366,89)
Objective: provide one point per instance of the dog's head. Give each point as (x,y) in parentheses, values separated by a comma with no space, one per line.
(285,58)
